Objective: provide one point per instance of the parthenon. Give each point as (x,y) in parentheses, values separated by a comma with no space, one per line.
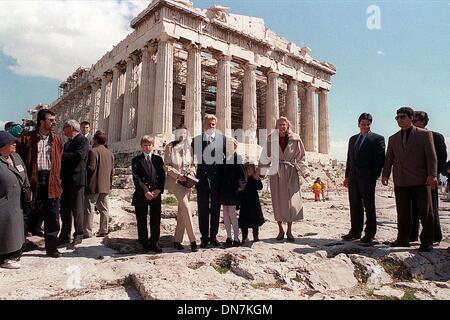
(181,62)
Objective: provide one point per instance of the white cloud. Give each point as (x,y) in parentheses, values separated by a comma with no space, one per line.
(53,38)
(380,53)
(339,149)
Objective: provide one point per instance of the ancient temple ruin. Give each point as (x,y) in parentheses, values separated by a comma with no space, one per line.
(181,62)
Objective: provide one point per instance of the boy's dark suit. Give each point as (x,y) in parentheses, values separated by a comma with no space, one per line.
(148,176)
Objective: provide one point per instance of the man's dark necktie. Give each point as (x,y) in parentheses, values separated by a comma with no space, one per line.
(358,144)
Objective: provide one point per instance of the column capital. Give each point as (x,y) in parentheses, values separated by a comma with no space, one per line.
(117,69)
(250,66)
(192,46)
(165,37)
(222,57)
(272,74)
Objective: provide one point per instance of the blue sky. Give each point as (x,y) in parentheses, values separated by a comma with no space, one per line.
(406,62)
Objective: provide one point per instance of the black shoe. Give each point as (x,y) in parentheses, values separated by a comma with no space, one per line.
(214,242)
(243,241)
(236,243)
(255,239)
(366,239)
(178,246)
(194,246)
(76,241)
(425,248)
(203,244)
(53,253)
(101,234)
(280,236)
(38,233)
(397,244)
(155,248)
(290,238)
(351,237)
(413,239)
(228,243)
(60,242)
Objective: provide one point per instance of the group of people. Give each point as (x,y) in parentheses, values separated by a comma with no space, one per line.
(43,179)
(416,156)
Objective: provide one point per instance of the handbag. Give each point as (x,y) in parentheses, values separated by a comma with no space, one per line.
(190,182)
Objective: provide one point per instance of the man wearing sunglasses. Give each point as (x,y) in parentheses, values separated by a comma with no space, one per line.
(421,121)
(412,158)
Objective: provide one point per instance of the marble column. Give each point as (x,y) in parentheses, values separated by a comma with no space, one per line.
(272,104)
(114,125)
(193,106)
(324,130)
(104,112)
(310,117)
(292,105)
(163,112)
(95,102)
(249,106)
(223,95)
(146,92)
(302,132)
(127,125)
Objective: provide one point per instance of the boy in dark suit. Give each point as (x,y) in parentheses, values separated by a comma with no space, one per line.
(148,177)
(365,159)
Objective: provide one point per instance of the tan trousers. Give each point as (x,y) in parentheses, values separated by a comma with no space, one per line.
(99,200)
(184,216)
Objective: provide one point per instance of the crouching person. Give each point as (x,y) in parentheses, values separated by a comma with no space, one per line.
(149,178)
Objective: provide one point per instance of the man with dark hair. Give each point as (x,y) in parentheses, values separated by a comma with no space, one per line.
(100,171)
(73,177)
(412,157)
(365,159)
(421,121)
(85,131)
(41,151)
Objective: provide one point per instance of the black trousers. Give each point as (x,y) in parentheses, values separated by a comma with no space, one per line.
(50,209)
(245,233)
(361,193)
(72,206)
(405,199)
(437,223)
(142,212)
(208,203)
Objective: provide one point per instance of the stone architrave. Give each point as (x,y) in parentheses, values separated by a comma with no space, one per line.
(292,105)
(163,113)
(146,92)
(114,126)
(223,94)
(193,109)
(324,130)
(272,103)
(250,110)
(126,127)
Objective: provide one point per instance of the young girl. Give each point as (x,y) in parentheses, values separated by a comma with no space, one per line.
(233,181)
(317,189)
(251,215)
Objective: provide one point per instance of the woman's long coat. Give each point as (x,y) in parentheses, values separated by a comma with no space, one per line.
(284,169)
(12,179)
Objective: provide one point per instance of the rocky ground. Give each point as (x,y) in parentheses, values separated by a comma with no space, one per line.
(317,266)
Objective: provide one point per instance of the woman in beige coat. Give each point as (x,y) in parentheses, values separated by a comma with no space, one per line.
(178,161)
(283,159)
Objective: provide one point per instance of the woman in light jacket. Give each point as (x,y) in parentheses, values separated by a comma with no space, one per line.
(14,190)
(178,162)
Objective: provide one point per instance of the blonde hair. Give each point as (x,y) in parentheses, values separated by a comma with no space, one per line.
(147,139)
(209,117)
(282,118)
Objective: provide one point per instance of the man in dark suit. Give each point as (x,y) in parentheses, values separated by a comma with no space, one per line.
(421,121)
(149,178)
(86,132)
(365,159)
(209,154)
(412,156)
(73,177)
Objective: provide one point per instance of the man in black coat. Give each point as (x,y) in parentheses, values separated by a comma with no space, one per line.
(209,152)
(420,120)
(73,178)
(365,159)
(149,178)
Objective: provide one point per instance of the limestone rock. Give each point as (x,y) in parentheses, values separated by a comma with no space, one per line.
(388,292)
